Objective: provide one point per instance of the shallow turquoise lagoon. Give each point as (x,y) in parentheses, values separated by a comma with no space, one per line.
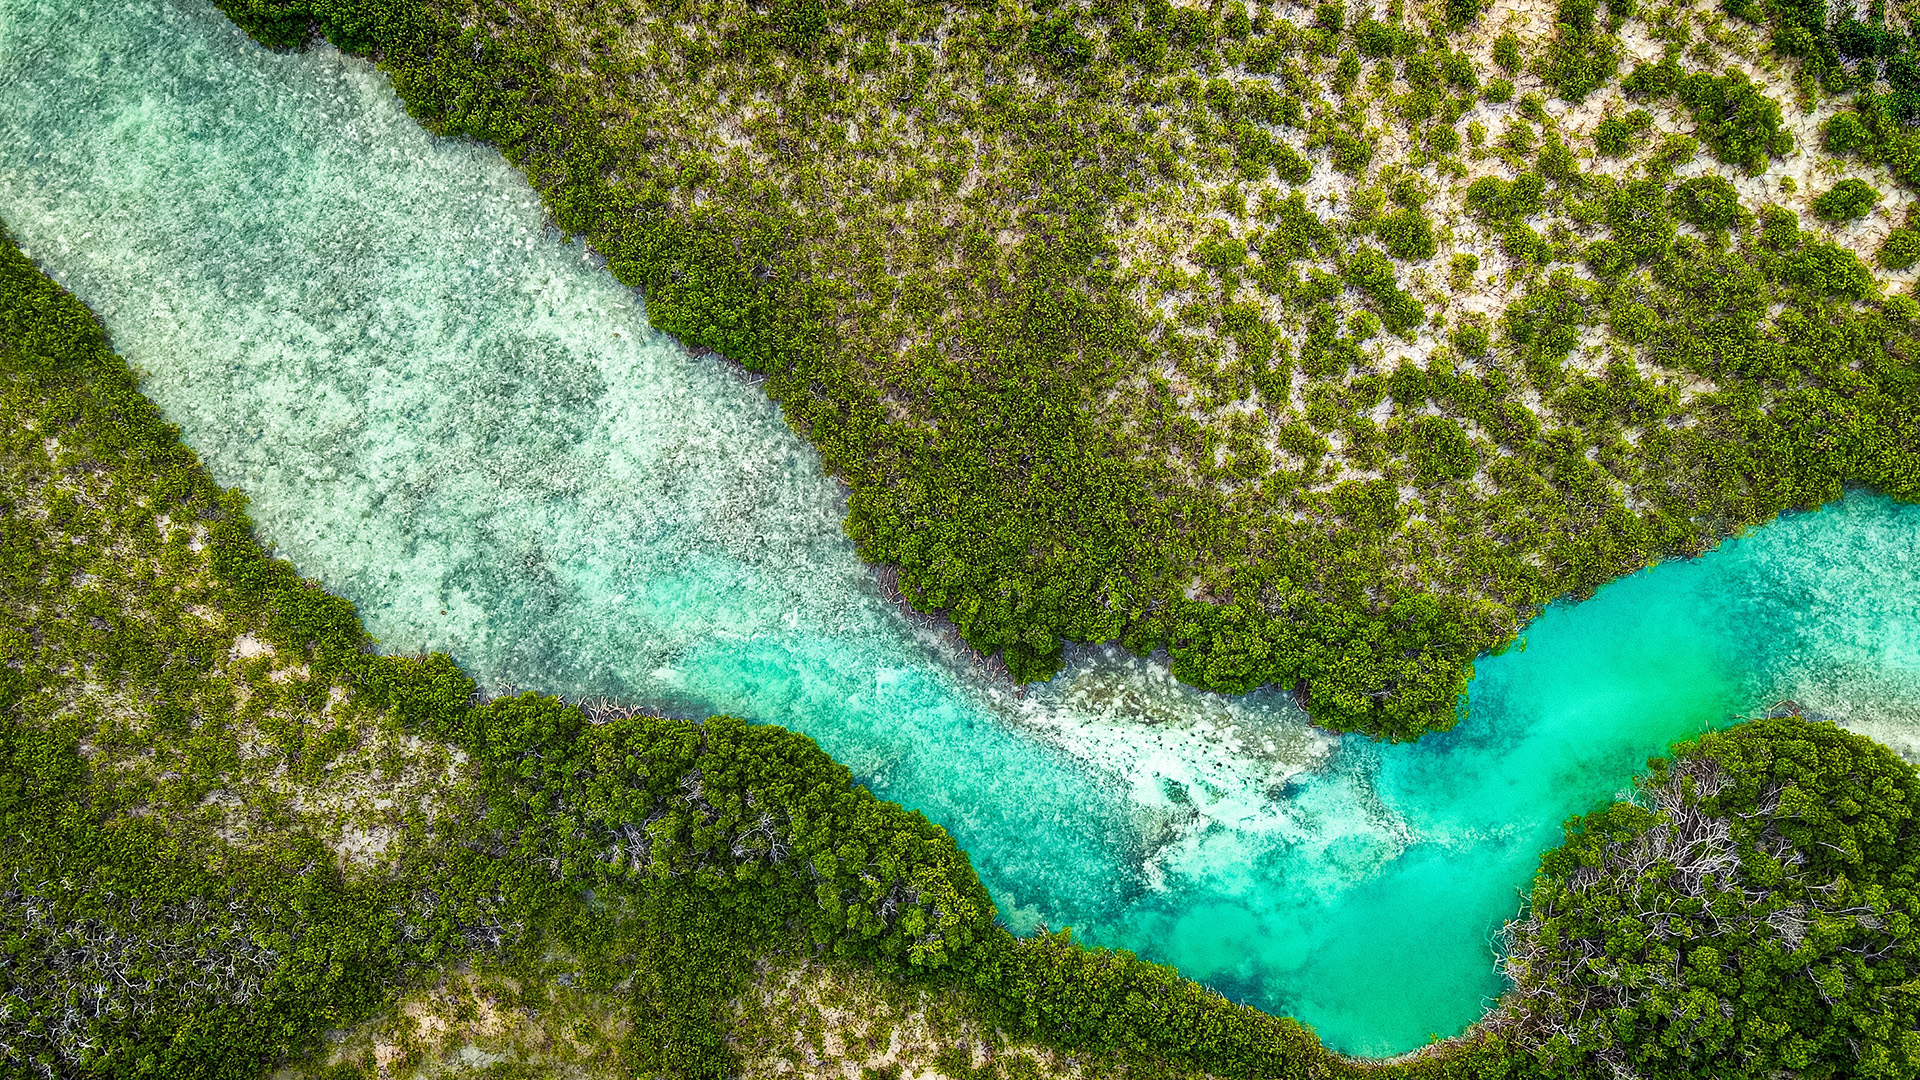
(454,418)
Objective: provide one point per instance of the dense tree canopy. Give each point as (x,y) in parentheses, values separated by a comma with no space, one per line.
(1754,915)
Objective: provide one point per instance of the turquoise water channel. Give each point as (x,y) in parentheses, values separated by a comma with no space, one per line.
(456,419)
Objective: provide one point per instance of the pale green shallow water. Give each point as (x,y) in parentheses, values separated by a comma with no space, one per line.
(461,423)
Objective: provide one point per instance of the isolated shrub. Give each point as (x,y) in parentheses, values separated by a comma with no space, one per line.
(1708,202)
(1845,134)
(1543,326)
(1901,249)
(1557,162)
(1351,153)
(1506,52)
(1614,136)
(1458,72)
(1848,200)
(1407,234)
(1739,123)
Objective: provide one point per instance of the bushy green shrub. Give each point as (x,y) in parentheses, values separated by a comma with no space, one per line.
(1708,202)
(1346,72)
(1607,257)
(1497,201)
(1375,39)
(1583,56)
(1830,270)
(1901,249)
(1845,134)
(1557,161)
(1525,246)
(1407,234)
(1369,271)
(1351,153)
(1059,43)
(1779,228)
(1234,23)
(1470,340)
(1848,200)
(1440,450)
(1221,253)
(1461,12)
(1296,232)
(1458,71)
(1258,152)
(1543,327)
(1739,123)
(1637,214)
(1615,135)
(1506,52)
(1658,78)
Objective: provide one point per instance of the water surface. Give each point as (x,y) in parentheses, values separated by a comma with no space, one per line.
(461,423)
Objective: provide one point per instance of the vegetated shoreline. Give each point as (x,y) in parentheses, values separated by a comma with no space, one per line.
(884,576)
(1679,412)
(517,897)
(993,668)
(1501,1016)
(549,784)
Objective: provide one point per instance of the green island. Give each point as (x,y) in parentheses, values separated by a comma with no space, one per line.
(1212,330)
